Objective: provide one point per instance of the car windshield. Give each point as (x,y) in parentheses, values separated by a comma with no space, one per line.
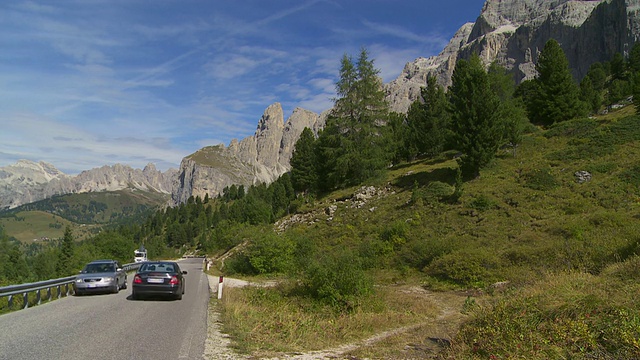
(158,267)
(99,268)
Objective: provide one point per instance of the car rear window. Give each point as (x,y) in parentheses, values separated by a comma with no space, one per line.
(158,267)
(98,268)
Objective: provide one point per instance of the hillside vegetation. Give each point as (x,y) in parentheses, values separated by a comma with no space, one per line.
(87,212)
(461,229)
(564,253)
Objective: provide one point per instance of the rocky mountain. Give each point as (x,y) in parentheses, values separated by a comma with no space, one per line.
(511,32)
(260,158)
(27,181)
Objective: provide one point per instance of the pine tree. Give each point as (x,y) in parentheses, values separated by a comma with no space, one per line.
(355,145)
(636,91)
(66,252)
(303,163)
(634,58)
(557,97)
(511,111)
(428,120)
(475,124)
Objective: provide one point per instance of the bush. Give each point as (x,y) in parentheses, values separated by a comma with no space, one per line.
(482,203)
(540,179)
(465,268)
(337,279)
(270,253)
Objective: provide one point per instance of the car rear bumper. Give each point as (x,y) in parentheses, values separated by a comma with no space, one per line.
(156,289)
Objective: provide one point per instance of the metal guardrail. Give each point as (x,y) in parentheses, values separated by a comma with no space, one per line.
(62,285)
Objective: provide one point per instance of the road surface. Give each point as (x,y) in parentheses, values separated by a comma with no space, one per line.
(112,326)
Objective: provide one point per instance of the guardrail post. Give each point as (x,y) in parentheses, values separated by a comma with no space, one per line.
(25,298)
(38,297)
(10,302)
(59,291)
(49,294)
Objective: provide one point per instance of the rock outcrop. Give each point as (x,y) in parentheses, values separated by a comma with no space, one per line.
(510,32)
(27,181)
(513,32)
(260,158)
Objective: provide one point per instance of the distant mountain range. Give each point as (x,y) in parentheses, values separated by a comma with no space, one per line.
(27,181)
(510,32)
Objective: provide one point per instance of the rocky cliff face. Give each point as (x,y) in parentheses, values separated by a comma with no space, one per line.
(27,181)
(260,158)
(513,32)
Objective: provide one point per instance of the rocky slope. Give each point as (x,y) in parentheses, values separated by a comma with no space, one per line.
(27,181)
(260,158)
(512,32)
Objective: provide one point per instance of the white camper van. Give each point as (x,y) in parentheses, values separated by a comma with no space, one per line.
(140,255)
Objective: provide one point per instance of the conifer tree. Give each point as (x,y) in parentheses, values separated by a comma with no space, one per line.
(428,120)
(557,96)
(511,112)
(475,124)
(64,266)
(303,163)
(355,145)
(634,58)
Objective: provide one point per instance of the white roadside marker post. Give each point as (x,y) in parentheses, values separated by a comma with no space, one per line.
(220,288)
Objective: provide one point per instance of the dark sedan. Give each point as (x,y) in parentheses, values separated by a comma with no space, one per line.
(158,278)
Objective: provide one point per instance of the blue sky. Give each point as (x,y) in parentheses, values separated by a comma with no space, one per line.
(87,83)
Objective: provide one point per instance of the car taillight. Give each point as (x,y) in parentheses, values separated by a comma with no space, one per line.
(174,280)
(137,279)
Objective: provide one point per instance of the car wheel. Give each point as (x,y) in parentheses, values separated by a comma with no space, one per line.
(179,296)
(116,289)
(135,296)
(124,286)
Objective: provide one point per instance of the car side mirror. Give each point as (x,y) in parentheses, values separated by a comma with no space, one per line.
(119,269)
(184,272)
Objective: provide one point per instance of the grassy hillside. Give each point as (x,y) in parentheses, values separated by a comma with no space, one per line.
(87,211)
(40,226)
(563,254)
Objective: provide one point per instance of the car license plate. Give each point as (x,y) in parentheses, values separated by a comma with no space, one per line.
(155,281)
(92,285)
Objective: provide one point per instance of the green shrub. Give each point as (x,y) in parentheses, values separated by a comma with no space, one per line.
(631,176)
(466,268)
(270,253)
(540,179)
(482,203)
(337,279)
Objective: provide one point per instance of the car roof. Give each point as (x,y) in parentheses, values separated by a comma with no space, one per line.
(102,261)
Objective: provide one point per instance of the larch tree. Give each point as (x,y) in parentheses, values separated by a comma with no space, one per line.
(355,145)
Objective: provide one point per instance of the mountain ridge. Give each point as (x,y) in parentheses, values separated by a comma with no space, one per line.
(510,32)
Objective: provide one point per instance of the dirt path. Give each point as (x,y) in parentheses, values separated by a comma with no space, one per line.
(420,341)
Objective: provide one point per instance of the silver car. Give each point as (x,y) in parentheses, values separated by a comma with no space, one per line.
(101,276)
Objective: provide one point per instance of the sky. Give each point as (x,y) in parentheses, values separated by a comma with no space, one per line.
(88,83)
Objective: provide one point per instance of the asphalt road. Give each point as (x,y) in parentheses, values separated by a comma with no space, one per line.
(112,326)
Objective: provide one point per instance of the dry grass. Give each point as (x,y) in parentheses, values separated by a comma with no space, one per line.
(265,322)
